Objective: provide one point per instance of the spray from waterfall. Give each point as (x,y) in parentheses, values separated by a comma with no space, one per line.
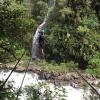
(37,50)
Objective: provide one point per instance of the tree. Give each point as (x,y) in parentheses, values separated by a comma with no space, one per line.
(72,32)
(15,26)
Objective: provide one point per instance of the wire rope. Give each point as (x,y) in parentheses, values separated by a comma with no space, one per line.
(95,90)
(23,80)
(1,87)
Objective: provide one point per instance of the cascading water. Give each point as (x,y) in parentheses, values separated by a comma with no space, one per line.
(32,80)
(39,32)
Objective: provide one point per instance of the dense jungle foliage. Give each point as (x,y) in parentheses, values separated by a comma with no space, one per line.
(72,32)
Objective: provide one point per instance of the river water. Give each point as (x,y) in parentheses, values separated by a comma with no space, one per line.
(32,79)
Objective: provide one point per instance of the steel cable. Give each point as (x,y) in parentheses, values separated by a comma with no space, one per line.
(87,82)
(23,80)
(1,87)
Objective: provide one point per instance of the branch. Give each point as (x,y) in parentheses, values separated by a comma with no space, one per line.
(2,46)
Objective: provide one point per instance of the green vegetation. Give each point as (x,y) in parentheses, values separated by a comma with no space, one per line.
(7,93)
(56,67)
(35,93)
(15,28)
(94,65)
(72,32)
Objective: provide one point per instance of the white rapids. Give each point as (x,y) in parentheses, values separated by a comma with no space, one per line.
(16,78)
(33,79)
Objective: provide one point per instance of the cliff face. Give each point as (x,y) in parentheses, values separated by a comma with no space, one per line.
(37,50)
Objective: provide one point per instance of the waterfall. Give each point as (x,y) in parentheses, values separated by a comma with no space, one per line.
(37,52)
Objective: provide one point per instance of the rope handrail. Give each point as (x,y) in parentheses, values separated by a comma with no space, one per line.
(23,80)
(1,87)
(95,90)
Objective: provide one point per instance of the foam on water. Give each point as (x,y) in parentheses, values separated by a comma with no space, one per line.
(16,78)
(33,79)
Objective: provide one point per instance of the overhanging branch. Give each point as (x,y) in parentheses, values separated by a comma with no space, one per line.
(6,49)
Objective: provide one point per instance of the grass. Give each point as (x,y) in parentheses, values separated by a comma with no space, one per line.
(46,66)
(55,67)
(23,63)
(93,71)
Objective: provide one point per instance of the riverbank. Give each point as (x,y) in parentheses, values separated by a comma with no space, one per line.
(57,77)
(41,88)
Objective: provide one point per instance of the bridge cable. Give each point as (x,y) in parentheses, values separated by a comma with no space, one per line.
(23,79)
(95,90)
(1,87)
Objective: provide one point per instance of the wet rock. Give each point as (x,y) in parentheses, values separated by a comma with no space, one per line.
(3,66)
(75,85)
(61,77)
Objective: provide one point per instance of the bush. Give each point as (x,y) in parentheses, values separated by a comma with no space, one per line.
(93,67)
(15,26)
(7,93)
(43,91)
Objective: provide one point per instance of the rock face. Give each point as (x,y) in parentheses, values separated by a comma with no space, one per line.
(36,48)
(37,51)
